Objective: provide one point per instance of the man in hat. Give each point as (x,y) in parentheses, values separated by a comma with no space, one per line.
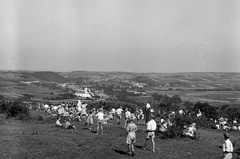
(227,147)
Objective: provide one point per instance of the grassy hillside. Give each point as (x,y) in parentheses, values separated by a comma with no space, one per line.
(49,76)
(40,139)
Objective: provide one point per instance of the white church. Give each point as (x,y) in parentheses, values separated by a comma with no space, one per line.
(84,93)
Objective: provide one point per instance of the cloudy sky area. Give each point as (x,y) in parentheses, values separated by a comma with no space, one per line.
(120,35)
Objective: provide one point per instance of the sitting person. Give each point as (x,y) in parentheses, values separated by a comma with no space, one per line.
(163,126)
(68,125)
(191,132)
(58,123)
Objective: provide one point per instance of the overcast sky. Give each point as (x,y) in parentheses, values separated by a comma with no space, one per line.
(120,35)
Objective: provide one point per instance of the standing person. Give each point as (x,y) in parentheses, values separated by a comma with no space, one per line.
(227,147)
(147,113)
(127,117)
(100,119)
(39,107)
(84,111)
(151,127)
(119,114)
(89,120)
(131,137)
(113,112)
(138,114)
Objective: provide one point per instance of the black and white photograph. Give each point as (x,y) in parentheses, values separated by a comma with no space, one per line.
(116,79)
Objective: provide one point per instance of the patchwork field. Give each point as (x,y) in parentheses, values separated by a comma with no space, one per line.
(215,88)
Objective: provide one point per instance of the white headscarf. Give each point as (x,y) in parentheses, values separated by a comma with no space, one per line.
(79,103)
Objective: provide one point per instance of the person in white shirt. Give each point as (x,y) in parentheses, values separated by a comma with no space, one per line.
(227,147)
(58,123)
(100,120)
(151,128)
(119,114)
(113,112)
(127,117)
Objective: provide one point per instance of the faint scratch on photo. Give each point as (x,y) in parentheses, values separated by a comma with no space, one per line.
(202,61)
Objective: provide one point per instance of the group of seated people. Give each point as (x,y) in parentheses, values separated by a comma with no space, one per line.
(191,130)
(65,125)
(225,124)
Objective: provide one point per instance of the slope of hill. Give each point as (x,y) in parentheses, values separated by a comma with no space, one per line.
(144,79)
(49,76)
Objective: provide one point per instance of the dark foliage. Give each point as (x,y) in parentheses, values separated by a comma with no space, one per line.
(1,97)
(236,145)
(15,110)
(3,107)
(208,110)
(230,112)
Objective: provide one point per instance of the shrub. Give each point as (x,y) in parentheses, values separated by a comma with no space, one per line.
(179,123)
(3,107)
(15,110)
(18,111)
(236,145)
(40,118)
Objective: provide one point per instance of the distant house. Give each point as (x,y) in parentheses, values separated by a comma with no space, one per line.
(29,83)
(139,85)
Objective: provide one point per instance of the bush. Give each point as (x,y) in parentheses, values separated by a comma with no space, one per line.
(3,107)
(40,118)
(179,123)
(15,110)
(236,145)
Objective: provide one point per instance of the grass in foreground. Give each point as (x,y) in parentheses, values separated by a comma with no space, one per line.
(42,140)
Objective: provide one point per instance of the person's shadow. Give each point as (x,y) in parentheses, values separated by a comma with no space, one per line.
(121,152)
(138,146)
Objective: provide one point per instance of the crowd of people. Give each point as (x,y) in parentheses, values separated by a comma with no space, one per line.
(67,112)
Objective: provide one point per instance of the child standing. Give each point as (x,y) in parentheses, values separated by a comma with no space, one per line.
(131,137)
(89,120)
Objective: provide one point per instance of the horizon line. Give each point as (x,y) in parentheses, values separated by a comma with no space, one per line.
(6,70)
